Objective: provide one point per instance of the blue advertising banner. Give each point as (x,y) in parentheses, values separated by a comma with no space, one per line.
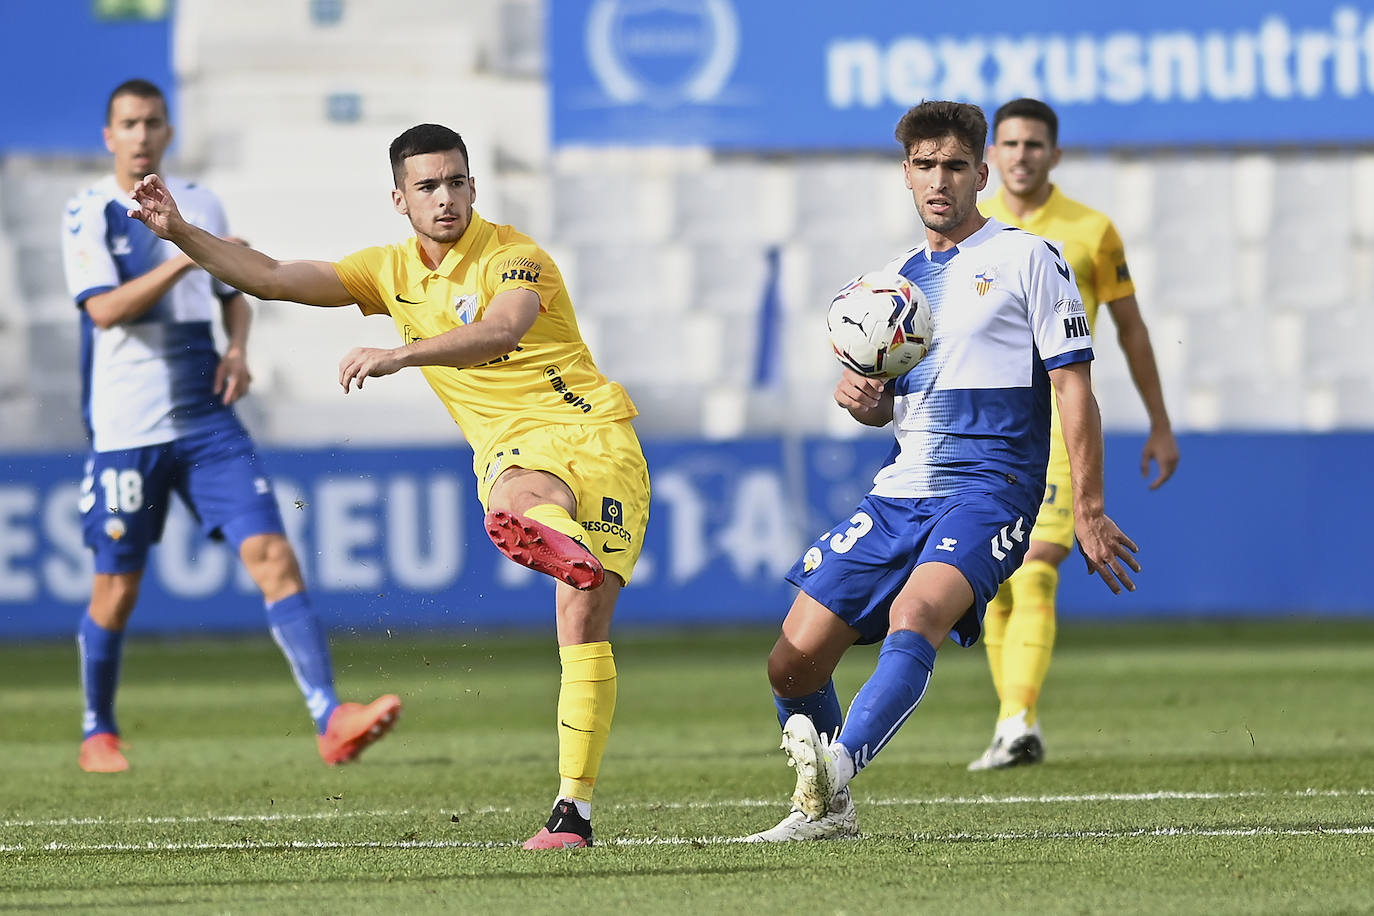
(1252,525)
(62,57)
(806,75)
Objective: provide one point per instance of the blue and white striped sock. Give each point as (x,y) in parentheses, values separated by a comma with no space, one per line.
(100,651)
(302,638)
(889,696)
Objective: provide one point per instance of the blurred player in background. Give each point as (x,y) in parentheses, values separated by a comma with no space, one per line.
(157,401)
(947,518)
(1019,627)
(484,313)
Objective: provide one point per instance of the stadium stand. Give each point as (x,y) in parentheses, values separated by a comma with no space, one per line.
(1254,269)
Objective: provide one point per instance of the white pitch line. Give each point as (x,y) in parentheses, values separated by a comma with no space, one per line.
(248,845)
(288,817)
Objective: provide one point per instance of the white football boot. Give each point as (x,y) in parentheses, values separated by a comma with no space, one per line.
(839,822)
(1014,744)
(818,777)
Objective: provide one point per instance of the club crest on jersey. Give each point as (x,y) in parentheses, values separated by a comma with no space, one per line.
(984,280)
(115,528)
(466,307)
(811,559)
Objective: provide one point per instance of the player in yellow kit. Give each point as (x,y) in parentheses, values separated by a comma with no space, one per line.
(484,313)
(1019,627)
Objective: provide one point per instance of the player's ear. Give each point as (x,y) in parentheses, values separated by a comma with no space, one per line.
(982,175)
(472,190)
(1056,156)
(398,200)
(109,137)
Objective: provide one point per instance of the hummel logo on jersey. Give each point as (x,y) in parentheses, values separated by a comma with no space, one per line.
(947,544)
(1058,264)
(1076,326)
(1003,541)
(409,301)
(119,246)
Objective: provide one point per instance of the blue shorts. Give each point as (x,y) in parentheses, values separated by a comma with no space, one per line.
(858,567)
(125,495)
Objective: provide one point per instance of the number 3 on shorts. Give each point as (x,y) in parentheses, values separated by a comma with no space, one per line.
(861,525)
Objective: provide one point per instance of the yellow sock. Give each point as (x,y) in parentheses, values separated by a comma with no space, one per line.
(557,518)
(586,704)
(1029,638)
(995,632)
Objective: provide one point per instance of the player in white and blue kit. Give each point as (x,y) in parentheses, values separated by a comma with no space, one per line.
(157,402)
(950,510)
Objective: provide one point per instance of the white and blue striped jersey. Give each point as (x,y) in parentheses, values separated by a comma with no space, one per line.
(974,415)
(149,380)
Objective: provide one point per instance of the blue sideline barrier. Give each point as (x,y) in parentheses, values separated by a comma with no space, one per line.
(1252,525)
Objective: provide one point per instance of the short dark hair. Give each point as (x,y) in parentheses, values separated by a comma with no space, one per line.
(933,120)
(1033,109)
(421,139)
(136,87)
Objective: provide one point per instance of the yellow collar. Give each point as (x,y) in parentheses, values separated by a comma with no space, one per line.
(476,230)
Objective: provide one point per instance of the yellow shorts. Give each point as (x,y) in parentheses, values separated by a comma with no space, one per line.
(604,467)
(1054,524)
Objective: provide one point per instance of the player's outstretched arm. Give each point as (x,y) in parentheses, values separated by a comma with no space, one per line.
(504,322)
(868,400)
(1161,447)
(1107,550)
(308,282)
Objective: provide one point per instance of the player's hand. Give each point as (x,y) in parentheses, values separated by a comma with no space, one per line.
(858,392)
(232,377)
(1107,551)
(1161,448)
(366,362)
(156,208)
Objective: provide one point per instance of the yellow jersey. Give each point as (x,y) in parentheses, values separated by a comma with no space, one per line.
(549,377)
(1094,250)
(1091,244)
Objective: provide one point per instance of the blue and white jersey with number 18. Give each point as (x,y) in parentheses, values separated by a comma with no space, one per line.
(148,380)
(974,415)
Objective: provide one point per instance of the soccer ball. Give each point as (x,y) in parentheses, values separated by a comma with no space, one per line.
(880,325)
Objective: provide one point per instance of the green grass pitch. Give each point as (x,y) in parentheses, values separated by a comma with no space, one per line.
(1219,768)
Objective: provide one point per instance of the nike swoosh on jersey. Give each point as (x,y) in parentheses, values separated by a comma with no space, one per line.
(607,548)
(585,731)
(407,301)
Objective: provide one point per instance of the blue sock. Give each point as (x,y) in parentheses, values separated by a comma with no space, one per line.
(297,629)
(821,707)
(889,696)
(100,650)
